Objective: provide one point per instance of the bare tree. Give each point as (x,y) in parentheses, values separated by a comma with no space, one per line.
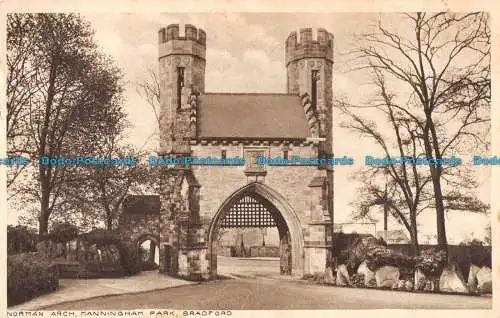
(403,185)
(440,64)
(150,91)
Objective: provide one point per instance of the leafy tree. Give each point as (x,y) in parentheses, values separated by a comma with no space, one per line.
(63,232)
(21,239)
(64,99)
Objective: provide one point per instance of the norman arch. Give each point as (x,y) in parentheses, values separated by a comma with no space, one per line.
(154,238)
(288,224)
(148,249)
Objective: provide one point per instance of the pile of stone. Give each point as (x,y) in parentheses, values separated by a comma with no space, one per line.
(480,279)
(368,263)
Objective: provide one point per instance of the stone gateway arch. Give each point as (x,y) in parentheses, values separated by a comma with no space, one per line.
(286,220)
(196,199)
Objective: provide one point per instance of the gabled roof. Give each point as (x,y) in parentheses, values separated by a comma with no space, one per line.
(244,115)
(394,235)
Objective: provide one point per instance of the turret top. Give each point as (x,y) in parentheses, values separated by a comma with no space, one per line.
(193,42)
(307,47)
(171,32)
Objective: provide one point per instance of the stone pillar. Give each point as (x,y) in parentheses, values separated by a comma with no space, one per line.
(318,232)
(183,247)
(171,205)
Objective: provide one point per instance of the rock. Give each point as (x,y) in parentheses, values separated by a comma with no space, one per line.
(408,285)
(319,278)
(429,286)
(329,279)
(343,276)
(372,282)
(484,283)
(358,280)
(452,281)
(387,276)
(369,275)
(420,280)
(401,284)
(472,279)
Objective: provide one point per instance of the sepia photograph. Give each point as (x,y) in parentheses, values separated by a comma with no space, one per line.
(220,161)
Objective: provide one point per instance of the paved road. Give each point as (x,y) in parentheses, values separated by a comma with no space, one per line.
(234,266)
(265,293)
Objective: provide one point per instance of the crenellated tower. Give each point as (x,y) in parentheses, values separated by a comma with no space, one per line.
(309,64)
(182,78)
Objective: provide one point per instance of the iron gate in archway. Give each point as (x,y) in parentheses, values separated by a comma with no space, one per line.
(253,212)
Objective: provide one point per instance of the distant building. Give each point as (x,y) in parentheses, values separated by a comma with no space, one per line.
(394,237)
(355,228)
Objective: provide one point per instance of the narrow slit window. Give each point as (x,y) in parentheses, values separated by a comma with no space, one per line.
(180,85)
(314,80)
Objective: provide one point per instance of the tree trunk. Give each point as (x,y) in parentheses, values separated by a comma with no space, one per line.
(44,208)
(109,219)
(46,171)
(436,183)
(109,223)
(152,251)
(414,234)
(440,215)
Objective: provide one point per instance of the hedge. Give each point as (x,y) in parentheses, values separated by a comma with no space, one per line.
(20,239)
(29,275)
(378,256)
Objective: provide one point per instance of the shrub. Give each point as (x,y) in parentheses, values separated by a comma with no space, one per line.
(130,258)
(379,256)
(63,232)
(358,280)
(28,276)
(431,262)
(20,239)
(129,253)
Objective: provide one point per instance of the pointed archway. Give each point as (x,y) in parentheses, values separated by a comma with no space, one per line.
(289,226)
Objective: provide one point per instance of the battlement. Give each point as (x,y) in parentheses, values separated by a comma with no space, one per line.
(191,33)
(307,47)
(194,41)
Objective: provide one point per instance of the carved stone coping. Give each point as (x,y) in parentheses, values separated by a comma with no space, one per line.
(216,141)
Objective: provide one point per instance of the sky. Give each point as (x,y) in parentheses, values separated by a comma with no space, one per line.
(245,53)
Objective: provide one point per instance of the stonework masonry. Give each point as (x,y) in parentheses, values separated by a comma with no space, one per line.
(195,199)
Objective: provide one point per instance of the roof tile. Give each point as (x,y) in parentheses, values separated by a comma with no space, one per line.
(247,115)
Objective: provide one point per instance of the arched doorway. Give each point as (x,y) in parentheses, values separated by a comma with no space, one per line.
(148,247)
(245,208)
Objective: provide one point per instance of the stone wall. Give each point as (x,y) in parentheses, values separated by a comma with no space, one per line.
(140,217)
(304,188)
(219,182)
(264,251)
